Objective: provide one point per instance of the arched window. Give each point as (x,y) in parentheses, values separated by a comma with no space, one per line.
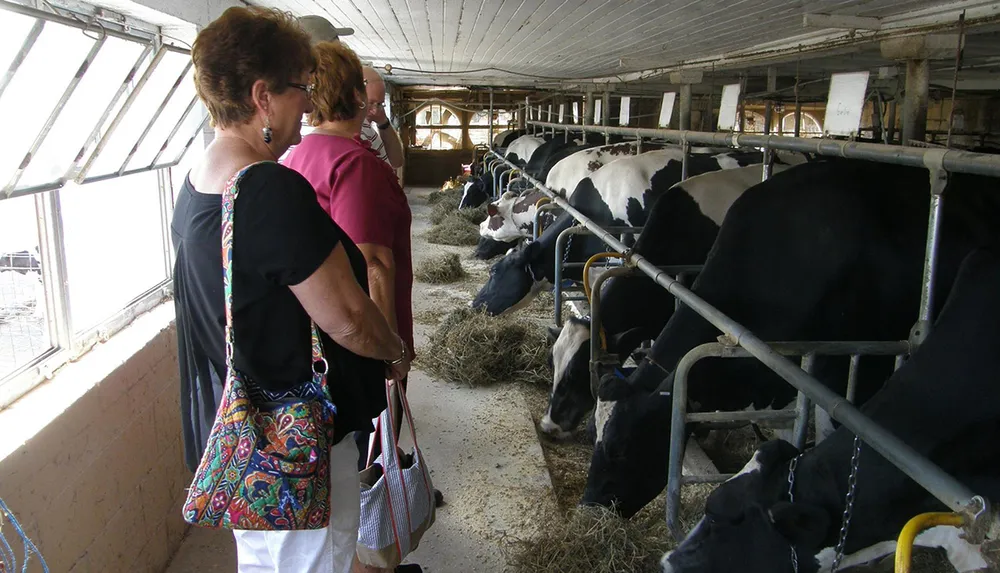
(479,125)
(753,122)
(438,127)
(810,126)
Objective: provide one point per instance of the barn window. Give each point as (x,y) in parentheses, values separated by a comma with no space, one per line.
(753,122)
(810,126)
(103,116)
(479,125)
(438,127)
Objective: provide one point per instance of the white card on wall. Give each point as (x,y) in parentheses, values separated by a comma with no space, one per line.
(667,108)
(623,114)
(597,111)
(562,112)
(845,103)
(576,112)
(728,108)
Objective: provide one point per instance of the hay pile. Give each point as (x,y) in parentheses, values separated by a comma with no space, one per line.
(594,540)
(454,230)
(474,215)
(447,196)
(442,269)
(472,348)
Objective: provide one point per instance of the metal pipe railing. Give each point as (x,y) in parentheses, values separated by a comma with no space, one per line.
(928,475)
(951,159)
(680,416)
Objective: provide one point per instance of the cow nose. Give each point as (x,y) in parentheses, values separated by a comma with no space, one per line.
(549,427)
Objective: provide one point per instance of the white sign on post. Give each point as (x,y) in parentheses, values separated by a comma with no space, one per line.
(576,112)
(562,112)
(729,107)
(667,108)
(550,113)
(527,107)
(539,116)
(845,103)
(597,111)
(623,114)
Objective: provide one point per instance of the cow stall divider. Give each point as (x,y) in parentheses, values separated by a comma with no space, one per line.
(955,495)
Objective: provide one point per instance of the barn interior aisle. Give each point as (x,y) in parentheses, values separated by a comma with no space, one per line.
(480,443)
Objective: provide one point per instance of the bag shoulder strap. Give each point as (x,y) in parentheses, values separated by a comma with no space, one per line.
(229,195)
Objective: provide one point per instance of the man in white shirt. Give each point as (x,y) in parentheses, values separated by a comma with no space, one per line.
(376,129)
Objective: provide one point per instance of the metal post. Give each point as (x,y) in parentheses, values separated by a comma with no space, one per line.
(915,103)
(596,321)
(560,247)
(801,428)
(939,180)
(536,225)
(766,164)
(685,107)
(52,248)
(890,128)
(685,154)
(772,86)
(605,115)
(588,108)
(491,118)
(29,42)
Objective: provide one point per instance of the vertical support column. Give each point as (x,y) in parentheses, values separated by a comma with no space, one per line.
(685,107)
(915,103)
(772,85)
(890,128)
(606,114)
(491,118)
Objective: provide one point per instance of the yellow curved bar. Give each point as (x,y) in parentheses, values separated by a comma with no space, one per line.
(542,201)
(586,283)
(904,545)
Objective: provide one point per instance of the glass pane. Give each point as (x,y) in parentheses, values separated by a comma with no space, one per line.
(35,90)
(439,138)
(138,116)
(24,332)
(82,111)
(165,123)
(753,122)
(15,31)
(192,123)
(500,118)
(808,128)
(479,136)
(114,245)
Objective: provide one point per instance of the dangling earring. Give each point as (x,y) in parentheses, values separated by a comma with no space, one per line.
(268,134)
(362,104)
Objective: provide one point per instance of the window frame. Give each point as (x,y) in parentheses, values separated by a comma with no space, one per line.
(65,343)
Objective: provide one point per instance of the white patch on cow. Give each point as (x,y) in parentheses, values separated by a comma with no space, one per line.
(665,565)
(569,171)
(716,192)
(549,427)
(523,147)
(601,416)
(964,556)
(726,161)
(752,466)
(630,177)
(507,231)
(573,336)
(535,289)
(465,191)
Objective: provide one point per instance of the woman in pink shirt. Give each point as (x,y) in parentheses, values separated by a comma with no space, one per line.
(359,191)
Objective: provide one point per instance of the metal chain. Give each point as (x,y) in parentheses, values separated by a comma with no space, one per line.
(852,484)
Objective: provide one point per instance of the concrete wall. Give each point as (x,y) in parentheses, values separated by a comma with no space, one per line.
(99,486)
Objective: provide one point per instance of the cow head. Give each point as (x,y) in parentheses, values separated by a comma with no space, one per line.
(628,466)
(474,194)
(499,224)
(750,525)
(488,248)
(510,285)
(571,396)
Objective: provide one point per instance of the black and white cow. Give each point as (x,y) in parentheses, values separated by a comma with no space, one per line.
(942,402)
(830,250)
(681,229)
(619,193)
(506,137)
(479,190)
(21,262)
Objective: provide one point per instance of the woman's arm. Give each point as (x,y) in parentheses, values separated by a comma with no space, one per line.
(382,279)
(335,301)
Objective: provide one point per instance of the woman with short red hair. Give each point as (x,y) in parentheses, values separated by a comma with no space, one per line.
(292,266)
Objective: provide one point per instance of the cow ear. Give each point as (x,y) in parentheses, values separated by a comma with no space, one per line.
(625,342)
(491,210)
(612,388)
(554,333)
(775,453)
(801,524)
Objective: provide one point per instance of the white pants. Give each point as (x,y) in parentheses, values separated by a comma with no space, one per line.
(327,550)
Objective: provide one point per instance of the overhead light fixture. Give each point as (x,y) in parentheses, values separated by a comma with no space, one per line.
(841,22)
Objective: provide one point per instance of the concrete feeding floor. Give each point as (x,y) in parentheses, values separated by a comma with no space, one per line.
(480,444)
